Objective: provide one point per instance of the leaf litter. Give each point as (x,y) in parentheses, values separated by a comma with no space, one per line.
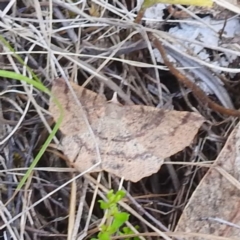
(155,197)
(214,206)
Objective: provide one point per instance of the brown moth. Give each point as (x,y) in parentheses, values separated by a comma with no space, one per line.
(133,140)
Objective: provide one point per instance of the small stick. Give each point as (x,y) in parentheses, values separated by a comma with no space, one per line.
(197,91)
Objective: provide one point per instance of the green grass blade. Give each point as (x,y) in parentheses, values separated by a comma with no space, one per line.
(20,60)
(41,87)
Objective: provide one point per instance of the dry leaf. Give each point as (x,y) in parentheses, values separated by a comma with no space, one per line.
(217,197)
(220,10)
(133,140)
(95,10)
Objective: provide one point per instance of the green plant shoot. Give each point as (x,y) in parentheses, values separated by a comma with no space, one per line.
(115,219)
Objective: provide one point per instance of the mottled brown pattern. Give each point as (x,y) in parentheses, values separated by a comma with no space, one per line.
(133,140)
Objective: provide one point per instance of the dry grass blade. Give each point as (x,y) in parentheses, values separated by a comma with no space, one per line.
(93,43)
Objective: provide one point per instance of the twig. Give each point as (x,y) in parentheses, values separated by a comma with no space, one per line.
(197,91)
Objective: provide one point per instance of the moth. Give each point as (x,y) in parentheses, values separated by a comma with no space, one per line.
(127,141)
